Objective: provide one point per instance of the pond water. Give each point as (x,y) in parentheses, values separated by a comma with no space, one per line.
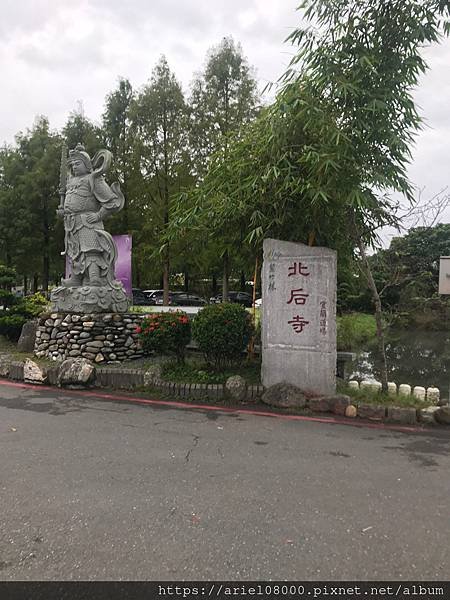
(414,357)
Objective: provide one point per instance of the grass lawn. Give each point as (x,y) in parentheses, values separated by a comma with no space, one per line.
(197,371)
(380,399)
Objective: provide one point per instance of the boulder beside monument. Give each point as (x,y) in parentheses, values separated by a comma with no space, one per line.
(299,316)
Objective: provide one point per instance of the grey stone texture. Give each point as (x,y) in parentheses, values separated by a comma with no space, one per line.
(5,365)
(33,373)
(152,374)
(427,415)
(299,316)
(90,299)
(86,200)
(340,403)
(27,337)
(371,412)
(79,338)
(284,395)
(236,388)
(16,370)
(320,404)
(76,371)
(405,415)
(124,379)
(442,415)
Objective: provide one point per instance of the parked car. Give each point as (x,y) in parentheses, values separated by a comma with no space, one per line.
(155,297)
(183,299)
(139,298)
(158,297)
(238,297)
(152,294)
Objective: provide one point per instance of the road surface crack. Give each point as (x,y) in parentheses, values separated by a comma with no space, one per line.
(194,444)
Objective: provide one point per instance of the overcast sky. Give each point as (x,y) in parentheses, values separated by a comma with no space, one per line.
(55,53)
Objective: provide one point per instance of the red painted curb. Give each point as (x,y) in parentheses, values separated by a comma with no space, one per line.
(206,407)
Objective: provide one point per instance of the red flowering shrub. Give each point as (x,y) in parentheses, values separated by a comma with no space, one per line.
(165,333)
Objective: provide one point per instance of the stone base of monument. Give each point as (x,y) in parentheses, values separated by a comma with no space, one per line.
(101,338)
(90,299)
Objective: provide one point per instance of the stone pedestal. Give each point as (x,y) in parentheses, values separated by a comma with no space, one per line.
(90,299)
(299,316)
(99,337)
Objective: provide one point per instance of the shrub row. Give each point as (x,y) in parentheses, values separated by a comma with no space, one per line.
(16,312)
(222,332)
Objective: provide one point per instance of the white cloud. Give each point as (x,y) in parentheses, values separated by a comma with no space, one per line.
(53,54)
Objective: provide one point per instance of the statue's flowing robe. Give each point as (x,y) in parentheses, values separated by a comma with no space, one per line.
(88,243)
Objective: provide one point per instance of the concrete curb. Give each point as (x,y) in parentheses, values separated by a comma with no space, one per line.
(131,379)
(328,420)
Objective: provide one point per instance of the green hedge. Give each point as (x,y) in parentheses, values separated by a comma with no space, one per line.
(222,332)
(19,312)
(11,326)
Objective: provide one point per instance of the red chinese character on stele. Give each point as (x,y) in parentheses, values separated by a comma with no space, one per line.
(298,268)
(297,297)
(298,323)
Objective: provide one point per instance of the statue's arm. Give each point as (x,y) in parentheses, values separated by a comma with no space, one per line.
(111,198)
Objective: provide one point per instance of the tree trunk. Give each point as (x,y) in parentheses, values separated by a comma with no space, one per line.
(25,285)
(243,280)
(166,214)
(186,282)
(46,248)
(46,270)
(166,269)
(125,218)
(214,285)
(378,312)
(35,283)
(225,277)
(138,275)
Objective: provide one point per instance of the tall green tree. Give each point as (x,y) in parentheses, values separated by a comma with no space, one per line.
(223,100)
(160,124)
(348,97)
(356,67)
(39,152)
(118,137)
(409,268)
(11,206)
(81,130)
(28,200)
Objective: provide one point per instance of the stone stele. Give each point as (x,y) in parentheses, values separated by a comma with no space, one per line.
(299,316)
(86,200)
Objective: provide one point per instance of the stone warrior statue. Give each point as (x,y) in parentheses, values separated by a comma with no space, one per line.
(86,199)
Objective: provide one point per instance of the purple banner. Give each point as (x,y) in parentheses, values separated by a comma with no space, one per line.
(124,245)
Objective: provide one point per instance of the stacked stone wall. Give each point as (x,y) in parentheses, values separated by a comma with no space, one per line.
(102,338)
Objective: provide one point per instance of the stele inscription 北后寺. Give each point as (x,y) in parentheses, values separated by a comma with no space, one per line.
(299,316)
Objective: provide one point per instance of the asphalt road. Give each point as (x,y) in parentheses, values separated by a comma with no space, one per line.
(93,489)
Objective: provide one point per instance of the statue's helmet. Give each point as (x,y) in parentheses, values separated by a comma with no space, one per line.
(79,153)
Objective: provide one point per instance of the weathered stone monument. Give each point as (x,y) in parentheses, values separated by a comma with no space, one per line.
(86,199)
(299,316)
(88,317)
